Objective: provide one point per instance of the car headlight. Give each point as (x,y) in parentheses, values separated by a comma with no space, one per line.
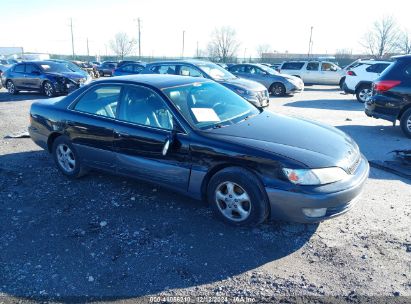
(315,176)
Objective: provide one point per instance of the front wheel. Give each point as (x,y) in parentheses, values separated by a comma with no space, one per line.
(363,93)
(238,197)
(277,89)
(49,89)
(405,123)
(66,158)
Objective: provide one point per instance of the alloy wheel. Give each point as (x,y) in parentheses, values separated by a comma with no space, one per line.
(365,94)
(10,87)
(48,89)
(408,123)
(66,158)
(233,201)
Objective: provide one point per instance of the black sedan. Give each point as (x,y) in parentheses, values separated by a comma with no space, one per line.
(197,137)
(49,77)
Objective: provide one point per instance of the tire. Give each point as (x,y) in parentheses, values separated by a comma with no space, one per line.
(66,158)
(405,123)
(341,84)
(363,93)
(277,89)
(11,88)
(48,89)
(238,197)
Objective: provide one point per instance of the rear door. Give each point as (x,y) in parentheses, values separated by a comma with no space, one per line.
(19,75)
(145,122)
(91,122)
(32,76)
(330,73)
(312,72)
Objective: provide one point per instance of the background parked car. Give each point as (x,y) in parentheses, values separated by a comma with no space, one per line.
(122,62)
(276,83)
(313,72)
(87,67)
(3,68)
(49,77)
(252,91)
(391,94)
(359,78)
(129,69)
(107,68)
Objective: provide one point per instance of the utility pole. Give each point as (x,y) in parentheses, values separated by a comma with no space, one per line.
(88,51)
(245,50)
(72,37)
(310,43)
(139,39)
(182,51)
(197,50)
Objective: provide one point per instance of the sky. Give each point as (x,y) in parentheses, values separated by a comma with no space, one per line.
(43,25)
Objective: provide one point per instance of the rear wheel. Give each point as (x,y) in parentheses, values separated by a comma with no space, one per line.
(363,93)
(405,123)
(11,88)
(238,197)
(277,89)
(66,158)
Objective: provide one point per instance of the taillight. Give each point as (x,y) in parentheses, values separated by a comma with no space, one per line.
(385,85)
(351,73)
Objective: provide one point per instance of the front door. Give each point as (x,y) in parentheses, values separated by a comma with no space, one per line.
(144,125)
(90,125)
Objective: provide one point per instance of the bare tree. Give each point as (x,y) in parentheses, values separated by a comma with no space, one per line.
(404,42)
(122,45)
(223,45)
(263,49)
(381,40)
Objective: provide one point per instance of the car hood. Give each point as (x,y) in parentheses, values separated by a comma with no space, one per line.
(70,75)
(307,142)
(244,84)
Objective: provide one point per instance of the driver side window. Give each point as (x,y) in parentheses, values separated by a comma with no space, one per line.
(143,106)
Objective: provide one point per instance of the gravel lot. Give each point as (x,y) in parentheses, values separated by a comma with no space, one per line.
(110,238)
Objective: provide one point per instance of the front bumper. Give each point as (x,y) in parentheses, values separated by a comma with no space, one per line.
(288,206)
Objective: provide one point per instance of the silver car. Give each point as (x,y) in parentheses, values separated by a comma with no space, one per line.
(276,83)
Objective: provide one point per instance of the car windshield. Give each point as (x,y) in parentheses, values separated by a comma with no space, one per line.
(215,71)
(55,67)
(209,105)
(268,70)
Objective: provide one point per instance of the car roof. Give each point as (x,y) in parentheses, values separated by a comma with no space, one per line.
(374,61)
(159,81)
(401,57)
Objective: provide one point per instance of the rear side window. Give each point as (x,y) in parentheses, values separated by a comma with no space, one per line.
(313,66)
(164,69)
(292,66)
(19,68)
(377,68)
(30,68)
(137,68)
(100,101)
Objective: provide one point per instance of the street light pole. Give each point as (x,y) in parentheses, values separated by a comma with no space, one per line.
(139,39)
(88,51)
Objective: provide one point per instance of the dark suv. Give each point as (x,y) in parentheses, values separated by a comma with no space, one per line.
(391,94)
(252,91)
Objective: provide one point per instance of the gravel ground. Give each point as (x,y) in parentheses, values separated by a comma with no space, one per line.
(109,238)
